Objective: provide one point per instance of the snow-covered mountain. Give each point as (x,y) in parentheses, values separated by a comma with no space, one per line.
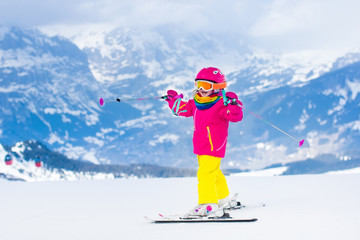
(25,169)
(50,89)
(256,77)
(55,166)
(328,164)
(324,111)
(47,90)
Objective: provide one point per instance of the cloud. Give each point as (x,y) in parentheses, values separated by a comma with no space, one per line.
(316,24)
(209,15)
(268,24)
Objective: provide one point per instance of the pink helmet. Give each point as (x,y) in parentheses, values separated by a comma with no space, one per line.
(211,74)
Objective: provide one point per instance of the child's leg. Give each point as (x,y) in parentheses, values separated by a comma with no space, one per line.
(212,183)
(221,186)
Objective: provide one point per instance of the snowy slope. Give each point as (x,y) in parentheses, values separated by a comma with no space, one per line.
(297,207)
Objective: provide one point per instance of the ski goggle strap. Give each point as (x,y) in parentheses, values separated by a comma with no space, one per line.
(207,85)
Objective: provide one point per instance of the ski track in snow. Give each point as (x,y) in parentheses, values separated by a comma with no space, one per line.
(297,207)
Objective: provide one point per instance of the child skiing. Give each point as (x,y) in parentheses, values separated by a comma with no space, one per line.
(212,109)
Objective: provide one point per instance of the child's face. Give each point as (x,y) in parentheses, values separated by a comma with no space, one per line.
(204,93)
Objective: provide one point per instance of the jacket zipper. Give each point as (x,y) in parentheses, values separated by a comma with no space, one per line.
(211,144)
(195,120)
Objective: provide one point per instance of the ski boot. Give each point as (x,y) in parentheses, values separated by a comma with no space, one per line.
(229,203)
(208,210)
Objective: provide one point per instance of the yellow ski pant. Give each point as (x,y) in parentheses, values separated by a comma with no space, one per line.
(212,184)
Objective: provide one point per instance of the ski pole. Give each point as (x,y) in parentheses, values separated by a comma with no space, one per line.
(102,101)
(233,101)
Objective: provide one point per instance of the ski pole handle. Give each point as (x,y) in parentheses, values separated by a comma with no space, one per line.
(102,101)
(233,101)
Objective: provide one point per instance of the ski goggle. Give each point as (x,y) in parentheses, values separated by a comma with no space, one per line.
(208,86)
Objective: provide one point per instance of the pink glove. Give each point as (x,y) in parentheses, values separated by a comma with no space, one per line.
(172,95)
(232,96)
(233,106)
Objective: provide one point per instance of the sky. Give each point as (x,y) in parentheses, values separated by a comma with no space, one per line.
(271,25)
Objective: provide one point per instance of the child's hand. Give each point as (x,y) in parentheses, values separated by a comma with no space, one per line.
(172,95)
(234,98)
(233,108)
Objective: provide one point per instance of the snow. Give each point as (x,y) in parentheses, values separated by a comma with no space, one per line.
(121,77)
(52,111)
(80,152)
(27,171)
(143,122)
(347,171)
(297,207)
(304,117)
(53,138)
(24,59)
(94,140)
(165,138)
(265,172)
(354,88)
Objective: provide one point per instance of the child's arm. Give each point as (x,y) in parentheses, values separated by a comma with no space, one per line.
(177,106)
(232,112)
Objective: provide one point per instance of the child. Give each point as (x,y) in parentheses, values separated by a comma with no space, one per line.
(211,109)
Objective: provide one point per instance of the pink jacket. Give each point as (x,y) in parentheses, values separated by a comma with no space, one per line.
(210,125)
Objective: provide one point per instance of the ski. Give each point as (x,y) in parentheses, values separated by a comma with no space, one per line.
(201,220)
(226,211)
(239,206)
(222,215)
